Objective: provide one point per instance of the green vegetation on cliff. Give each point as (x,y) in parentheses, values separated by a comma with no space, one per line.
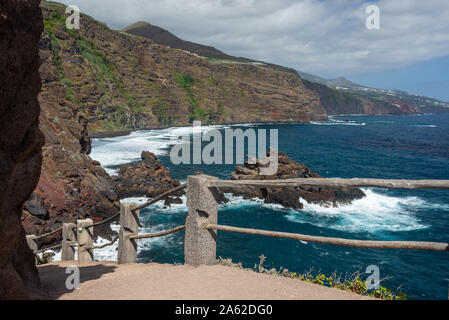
(187,81)
(123,81)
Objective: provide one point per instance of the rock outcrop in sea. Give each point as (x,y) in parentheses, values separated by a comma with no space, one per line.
(148,178)
(290,197)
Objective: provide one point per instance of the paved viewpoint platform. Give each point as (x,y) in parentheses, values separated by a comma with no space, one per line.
(108,280)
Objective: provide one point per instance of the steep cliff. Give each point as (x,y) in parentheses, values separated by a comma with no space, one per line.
(340,102)
(71,185)
(123,81)
(342,96)
(20,140)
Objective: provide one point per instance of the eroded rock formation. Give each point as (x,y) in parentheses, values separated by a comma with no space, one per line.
(147,178)
(289,197)
(20,140)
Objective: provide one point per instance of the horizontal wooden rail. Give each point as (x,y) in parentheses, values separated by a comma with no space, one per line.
(48,248)
(50,233)
(160,197)
(106,220)
(158,234)
(413,245)
(110,243)
(333,182)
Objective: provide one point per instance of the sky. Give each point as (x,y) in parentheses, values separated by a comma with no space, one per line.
(329,38)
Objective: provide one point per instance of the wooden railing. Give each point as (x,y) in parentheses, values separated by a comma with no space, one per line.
(201,226)
(201,223)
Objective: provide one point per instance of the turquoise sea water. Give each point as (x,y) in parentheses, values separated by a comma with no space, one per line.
(394,147)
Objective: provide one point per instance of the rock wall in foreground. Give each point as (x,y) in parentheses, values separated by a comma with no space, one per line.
(20,140)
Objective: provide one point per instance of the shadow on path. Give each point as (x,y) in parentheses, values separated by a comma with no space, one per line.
(53,278)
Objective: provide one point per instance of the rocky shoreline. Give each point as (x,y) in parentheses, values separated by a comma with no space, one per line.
(122,133)
(148,178)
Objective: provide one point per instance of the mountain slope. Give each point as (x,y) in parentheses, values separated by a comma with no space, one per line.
(128,82)
(379,98)
(349,99)
(164,37)
(343,102)
(337,82)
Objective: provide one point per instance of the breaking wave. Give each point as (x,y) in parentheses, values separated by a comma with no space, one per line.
(374,213)
(117,151)
(333,122)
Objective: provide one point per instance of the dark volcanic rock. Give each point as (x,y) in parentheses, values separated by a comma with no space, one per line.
(148,178)
(289,197)
(20,140)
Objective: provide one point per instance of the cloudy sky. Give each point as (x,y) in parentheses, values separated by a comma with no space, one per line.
(410,50)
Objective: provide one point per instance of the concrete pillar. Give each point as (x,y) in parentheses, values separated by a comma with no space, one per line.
(68,241)
(85,232)
(32,242)
(129,224)
(200,245)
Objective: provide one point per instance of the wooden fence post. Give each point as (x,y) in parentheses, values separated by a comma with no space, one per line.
(129,224)
(85,232)
(200,245)
(68,241)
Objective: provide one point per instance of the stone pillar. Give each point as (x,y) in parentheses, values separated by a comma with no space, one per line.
(129,224)
(32,242)
(85,232)
(200,245)
(68,241)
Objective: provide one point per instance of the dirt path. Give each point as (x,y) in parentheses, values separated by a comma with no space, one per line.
(107,280)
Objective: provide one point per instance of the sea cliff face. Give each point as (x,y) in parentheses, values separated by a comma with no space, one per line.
(340,102)
(20,140)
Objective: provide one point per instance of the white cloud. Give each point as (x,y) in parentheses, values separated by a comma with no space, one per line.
(323,37)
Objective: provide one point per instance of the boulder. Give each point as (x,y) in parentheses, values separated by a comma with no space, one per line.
(147,178)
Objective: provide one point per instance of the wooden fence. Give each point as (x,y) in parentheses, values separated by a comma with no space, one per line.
(201,226)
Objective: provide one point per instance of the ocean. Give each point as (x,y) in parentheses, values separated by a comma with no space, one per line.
(390,147)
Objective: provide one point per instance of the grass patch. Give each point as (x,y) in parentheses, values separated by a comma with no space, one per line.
(213,82)
(187,81)
(215,60)
(55,19)
(55,47)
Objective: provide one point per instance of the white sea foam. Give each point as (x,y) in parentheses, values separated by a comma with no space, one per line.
(117,151)
(104,254)
(373,213)
(333,122)
(425,126)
